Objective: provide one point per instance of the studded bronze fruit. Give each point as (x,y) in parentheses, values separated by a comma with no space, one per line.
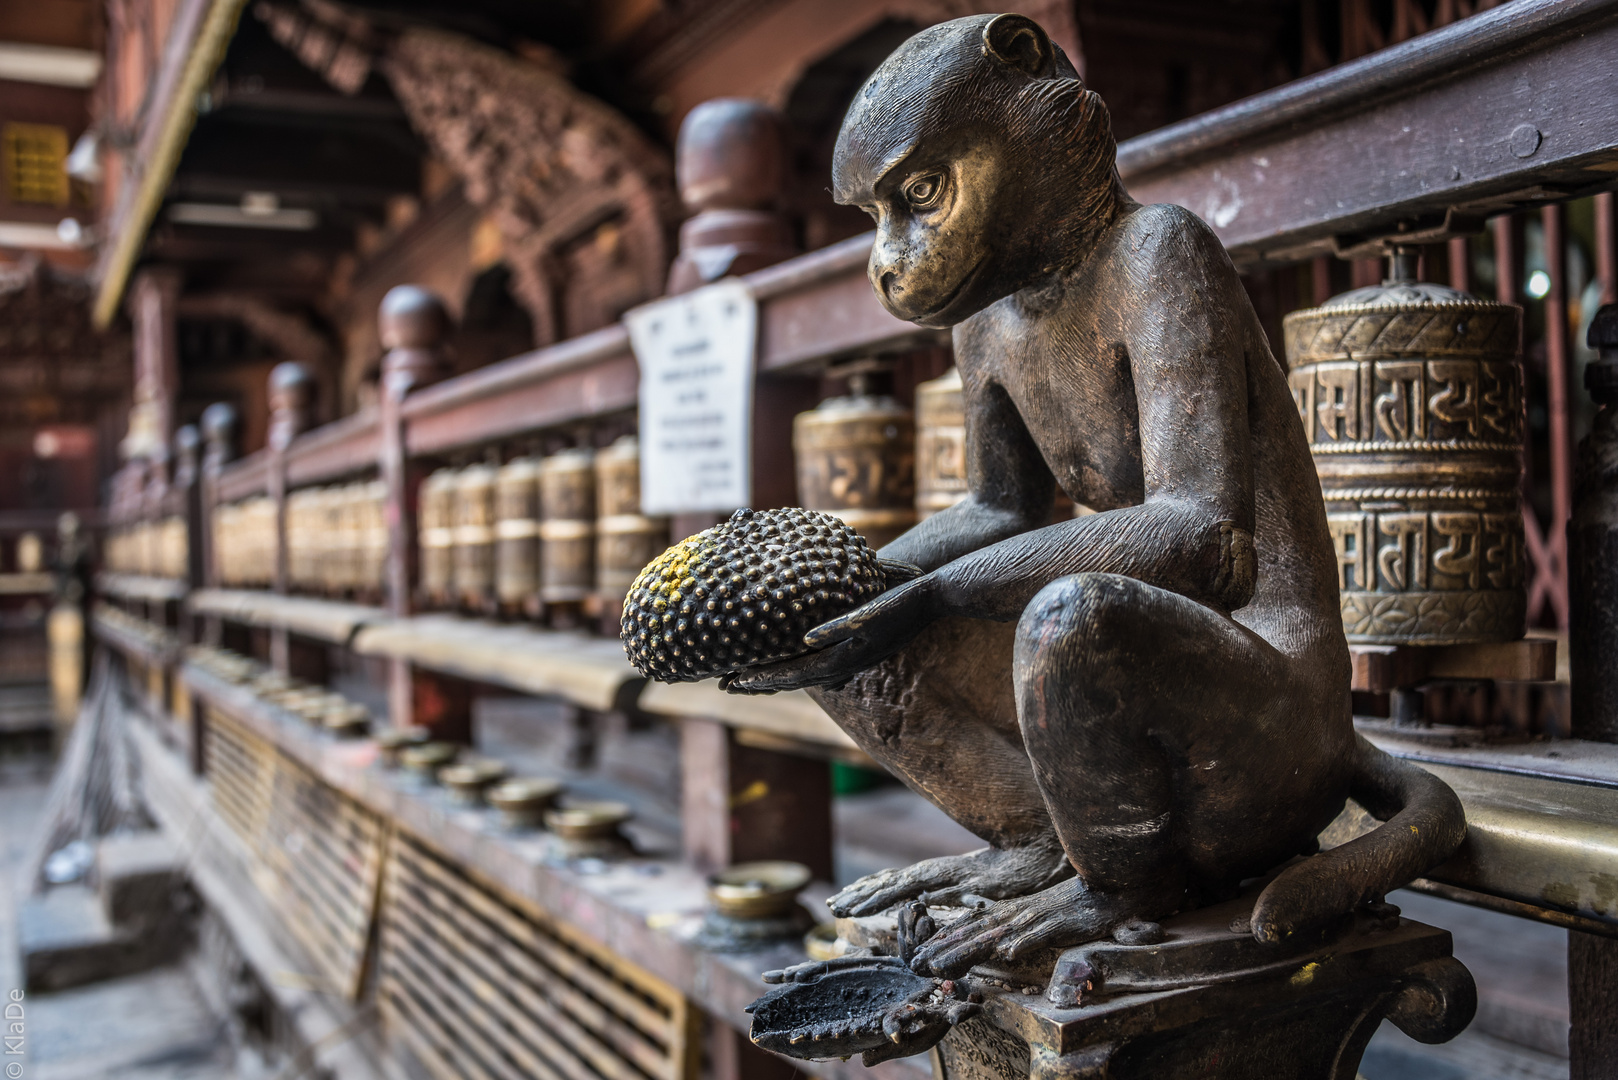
(744,593)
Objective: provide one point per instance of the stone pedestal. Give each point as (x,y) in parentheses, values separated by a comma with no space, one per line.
(1208,1001)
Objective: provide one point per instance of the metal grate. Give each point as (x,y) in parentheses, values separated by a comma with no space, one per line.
(315,853)
(241,776)
(477,987)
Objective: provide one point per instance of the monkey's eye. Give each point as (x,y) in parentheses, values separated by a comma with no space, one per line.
(924,191)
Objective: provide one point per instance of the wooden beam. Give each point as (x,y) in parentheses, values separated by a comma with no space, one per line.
(200,33)
(1512,107)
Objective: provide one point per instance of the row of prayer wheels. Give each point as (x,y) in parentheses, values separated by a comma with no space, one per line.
(244,542)
(563,532)
(148,548)
(865,458)
(337,538)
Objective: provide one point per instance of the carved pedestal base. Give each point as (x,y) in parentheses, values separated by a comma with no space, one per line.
(1210,1002)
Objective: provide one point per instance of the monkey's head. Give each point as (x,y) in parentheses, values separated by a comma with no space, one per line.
(983,159)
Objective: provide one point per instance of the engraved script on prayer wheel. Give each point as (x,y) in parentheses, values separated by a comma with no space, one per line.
(567,493)
(940,444)
(1411,395)
(856,458)
(626,539)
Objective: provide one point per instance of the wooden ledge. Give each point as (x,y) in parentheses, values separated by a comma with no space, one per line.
(325,620)
(792,715)
(646,909)
(587,671)
(26,584)
(139,587)
(145,642)
(1381,668)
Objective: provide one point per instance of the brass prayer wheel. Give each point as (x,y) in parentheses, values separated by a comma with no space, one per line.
(1411,395)
(567,492)
(940,444)
(516,531)
(437,532)
(856,458)
(626,539)
(374,528)
(474,534)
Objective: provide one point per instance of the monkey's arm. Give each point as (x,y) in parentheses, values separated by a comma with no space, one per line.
(1011,489)
(1192,534)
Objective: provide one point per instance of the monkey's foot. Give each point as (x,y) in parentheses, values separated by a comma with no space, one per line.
(1063,915)
(957,880)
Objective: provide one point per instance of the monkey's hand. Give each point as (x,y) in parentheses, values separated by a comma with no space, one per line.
(851,643)
(1064,914)
(958,880)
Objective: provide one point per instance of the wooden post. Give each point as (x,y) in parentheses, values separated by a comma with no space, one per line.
(153,296)
(413,322)
(292,391)
(1592,962)
(187,496)
(219,439)
(1559,404)
(740,803)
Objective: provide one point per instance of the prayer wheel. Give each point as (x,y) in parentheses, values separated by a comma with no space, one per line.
(516,531)
(940,444)
(856,458)
(474,534)
(1411,396)
(434,521)
(567,492)
(626,539)
(374,530)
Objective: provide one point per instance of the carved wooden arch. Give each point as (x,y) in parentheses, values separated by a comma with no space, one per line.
(585,202)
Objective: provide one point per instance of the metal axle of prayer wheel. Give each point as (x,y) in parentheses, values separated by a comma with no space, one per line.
(516,537)
(626,539)
(856,456)
(1411,395)
(567,492)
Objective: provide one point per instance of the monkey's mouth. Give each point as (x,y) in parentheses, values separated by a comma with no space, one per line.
(954,294)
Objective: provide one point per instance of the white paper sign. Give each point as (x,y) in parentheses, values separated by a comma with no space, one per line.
(696,398)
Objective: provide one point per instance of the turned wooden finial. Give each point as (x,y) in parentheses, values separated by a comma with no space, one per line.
(413,322)
(292,396)
(187,443)
(218,434)
(730,162)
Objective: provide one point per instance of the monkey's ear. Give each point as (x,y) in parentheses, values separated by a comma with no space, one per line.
(1020,42)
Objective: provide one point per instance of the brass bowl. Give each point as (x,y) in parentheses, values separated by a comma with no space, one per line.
(757,890)
(392,741)
(427,758)
(822,943)
(347,720)
(467,779)
(587,820)
(522,802)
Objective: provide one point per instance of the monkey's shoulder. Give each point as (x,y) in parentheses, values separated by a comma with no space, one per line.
(1165,236)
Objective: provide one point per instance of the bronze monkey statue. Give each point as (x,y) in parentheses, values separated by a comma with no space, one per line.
(1140,708)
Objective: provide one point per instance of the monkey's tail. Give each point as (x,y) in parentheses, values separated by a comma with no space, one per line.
(1422,825)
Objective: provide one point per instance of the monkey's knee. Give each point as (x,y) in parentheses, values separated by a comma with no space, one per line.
(1072,654)
(1077,620)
